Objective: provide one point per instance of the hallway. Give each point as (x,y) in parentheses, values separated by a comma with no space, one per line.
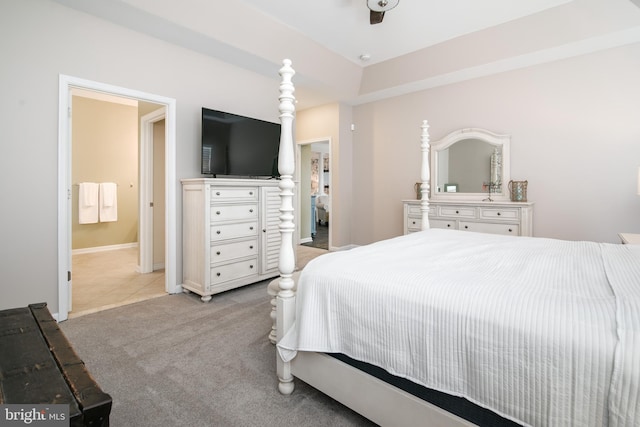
(321,239)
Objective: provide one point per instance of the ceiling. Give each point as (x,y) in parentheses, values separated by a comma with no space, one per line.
(343,25)
(420,44)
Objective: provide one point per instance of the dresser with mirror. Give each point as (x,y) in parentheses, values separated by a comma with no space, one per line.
(469,191)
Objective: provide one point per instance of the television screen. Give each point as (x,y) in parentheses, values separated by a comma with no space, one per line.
(239,146)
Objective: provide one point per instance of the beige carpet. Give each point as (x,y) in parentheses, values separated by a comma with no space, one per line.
(175,361)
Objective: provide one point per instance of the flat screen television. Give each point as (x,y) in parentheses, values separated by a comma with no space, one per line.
(238,146)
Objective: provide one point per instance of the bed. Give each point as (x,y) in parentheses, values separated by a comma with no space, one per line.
(534,331)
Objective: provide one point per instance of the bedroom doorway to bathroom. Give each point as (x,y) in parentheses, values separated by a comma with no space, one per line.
(144,265)
(119,140)
(314,158)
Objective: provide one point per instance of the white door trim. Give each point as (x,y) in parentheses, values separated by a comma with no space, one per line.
(297,175)
(66,83)
(146,189)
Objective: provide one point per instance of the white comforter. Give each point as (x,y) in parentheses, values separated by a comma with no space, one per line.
(544,332)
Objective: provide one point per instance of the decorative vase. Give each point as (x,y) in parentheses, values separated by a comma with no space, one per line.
(518,190)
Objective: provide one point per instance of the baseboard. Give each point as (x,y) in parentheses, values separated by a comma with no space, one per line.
(104,248)
(157,266)
(306,240)
(342,248)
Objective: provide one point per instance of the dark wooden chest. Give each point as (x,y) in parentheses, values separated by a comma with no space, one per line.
(38,365)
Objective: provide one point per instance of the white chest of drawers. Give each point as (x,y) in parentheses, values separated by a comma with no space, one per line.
(230,233)
(507,218)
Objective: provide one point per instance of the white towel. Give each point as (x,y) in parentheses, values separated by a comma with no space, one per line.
(88,203)
(108,202)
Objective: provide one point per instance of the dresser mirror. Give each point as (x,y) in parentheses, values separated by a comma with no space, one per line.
(470,164)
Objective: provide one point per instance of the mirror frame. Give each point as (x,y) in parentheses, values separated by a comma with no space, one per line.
(503,141)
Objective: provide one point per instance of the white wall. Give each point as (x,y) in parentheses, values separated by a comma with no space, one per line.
(575,127)
(41,40)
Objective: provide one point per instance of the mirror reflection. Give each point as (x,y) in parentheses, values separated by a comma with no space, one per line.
(470,166)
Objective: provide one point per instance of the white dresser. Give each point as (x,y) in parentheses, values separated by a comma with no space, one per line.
(230,234)
(509,218)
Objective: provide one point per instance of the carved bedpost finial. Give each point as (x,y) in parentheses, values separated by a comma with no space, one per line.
(425,176)
(286,168)
(285,301)
(287,109)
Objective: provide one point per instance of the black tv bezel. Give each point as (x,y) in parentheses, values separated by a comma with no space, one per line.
(275,143)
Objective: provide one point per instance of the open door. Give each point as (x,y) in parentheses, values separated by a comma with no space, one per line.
(148,200)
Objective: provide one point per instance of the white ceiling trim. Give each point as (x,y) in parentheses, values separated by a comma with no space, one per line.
(583,47)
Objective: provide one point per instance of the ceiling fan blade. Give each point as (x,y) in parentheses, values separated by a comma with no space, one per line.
(375,17)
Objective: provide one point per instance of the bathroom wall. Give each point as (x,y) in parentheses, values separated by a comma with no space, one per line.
(105,149)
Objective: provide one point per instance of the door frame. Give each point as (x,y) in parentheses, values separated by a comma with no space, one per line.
(145,236)
(298,173)
(66,83)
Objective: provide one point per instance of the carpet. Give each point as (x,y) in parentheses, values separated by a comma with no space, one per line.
(175,361)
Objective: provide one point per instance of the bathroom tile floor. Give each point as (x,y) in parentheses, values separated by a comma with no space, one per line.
(103,280)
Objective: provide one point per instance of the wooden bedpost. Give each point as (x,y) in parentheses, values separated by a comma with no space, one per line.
(285,303)
(425,176)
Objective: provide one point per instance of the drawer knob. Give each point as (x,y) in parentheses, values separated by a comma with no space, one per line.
(217,193)
(218,232)
(218,253)
(498,213)
(251,193)
(218,274)
(217,212)
(251,247)
(264,230)
(251,266)
(466,226)
(510,231)
(457,211)
(250,210)
(448,225)
(250,228)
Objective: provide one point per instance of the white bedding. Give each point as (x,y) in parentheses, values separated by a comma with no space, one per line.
(544,332)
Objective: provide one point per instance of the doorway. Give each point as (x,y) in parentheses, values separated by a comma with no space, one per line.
(314,203)
(66,184)
(117,262)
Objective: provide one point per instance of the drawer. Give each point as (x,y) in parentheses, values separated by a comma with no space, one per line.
(493,228)
(233,231)
(442,223)
(236,270)
(497,214)
(415,211)
(230,251)
(414,224)
(457,211)
(234,212)
(234,193)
